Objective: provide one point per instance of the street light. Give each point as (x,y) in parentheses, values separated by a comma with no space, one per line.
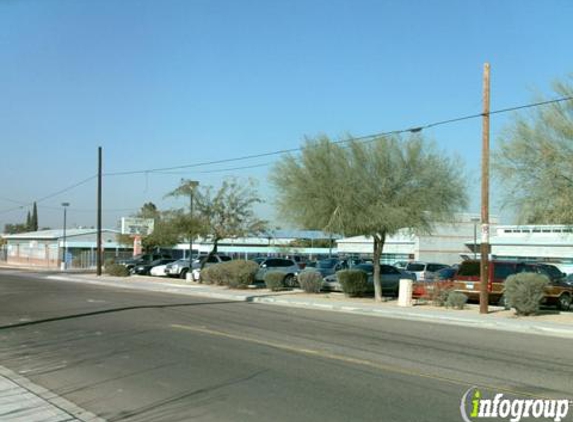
(475,220)
(65,248)
(192,184)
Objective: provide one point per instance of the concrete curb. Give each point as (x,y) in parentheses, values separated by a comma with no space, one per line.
(35,403)
(486,322)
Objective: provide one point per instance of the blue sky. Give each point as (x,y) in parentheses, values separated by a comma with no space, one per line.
(168,83)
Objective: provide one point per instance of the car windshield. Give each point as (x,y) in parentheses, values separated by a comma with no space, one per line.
(369,268)
(327,263)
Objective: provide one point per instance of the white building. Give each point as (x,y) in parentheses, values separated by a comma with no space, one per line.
(546,243)
(446,243)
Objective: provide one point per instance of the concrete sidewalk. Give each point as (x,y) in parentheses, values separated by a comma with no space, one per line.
(498,319)
(23,401)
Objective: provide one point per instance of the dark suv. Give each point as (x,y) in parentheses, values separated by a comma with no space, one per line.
(467,281)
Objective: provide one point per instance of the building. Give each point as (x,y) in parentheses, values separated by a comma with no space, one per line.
(446,243)
(45,248)
(540,243)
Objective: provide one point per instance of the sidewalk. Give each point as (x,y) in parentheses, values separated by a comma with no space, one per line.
(23,401)
(553,324)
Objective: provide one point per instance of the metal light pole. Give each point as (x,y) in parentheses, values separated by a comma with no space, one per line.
(65,248)
(475,221)
(192,186)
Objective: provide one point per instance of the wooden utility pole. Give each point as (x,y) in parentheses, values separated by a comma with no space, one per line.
(99,240)
(484,263)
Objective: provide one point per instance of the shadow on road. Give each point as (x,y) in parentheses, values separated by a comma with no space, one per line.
(109,311)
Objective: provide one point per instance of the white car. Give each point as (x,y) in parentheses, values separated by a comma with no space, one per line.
(158,271)
(424,271)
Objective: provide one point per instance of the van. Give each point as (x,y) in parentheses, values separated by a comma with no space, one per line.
(467,281)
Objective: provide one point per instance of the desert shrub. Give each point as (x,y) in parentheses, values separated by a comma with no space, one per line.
(239,274)
(440,293)
(354,283)
(524,292)
(214,274)
(108,262)
(456,300)
(310,281)
(117,270)
(274,280)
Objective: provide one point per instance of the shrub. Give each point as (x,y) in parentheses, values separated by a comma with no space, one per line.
(310,281)
(440,293)
(456,300)
(274,280)
(214,274)
(117,270)
(524,292)
(240,274)
(354,283)
(108,262)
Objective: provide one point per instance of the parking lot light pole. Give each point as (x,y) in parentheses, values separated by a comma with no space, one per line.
(65,247)
(192,186)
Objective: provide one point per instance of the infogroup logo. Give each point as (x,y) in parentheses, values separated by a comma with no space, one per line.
(475,406)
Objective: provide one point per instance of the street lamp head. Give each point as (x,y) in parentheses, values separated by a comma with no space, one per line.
(65,204)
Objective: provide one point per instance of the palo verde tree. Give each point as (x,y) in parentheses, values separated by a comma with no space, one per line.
(223,213)
(372,189)
(534,161)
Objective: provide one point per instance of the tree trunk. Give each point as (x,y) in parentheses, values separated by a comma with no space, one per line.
(211,253)
(379,240)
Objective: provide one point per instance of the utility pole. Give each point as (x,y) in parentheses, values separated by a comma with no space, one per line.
(192,186)
(99,242)
(484,263)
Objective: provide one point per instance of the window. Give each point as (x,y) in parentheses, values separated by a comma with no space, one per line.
(469,269)
(388,269)
(503,270)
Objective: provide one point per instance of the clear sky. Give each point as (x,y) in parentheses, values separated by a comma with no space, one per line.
(173,82)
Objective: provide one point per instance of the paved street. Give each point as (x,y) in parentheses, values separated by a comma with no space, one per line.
(145,356)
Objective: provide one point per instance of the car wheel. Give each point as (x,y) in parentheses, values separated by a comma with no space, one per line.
(288,281)
(564,302)
(183,273)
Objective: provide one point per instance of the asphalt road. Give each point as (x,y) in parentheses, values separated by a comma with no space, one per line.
(139,356)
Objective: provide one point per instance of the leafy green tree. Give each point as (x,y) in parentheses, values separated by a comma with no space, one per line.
(534,161)
(28,222)
(15,228)
(372,189)
(224,213)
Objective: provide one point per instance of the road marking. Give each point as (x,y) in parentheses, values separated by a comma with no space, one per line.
(356,361)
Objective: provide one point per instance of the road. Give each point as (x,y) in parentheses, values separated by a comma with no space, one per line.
(130,355)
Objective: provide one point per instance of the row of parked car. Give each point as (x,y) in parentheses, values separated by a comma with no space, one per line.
(464,277)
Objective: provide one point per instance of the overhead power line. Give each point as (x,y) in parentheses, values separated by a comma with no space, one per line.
(363,138)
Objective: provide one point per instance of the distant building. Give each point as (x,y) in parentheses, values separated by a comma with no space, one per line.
(45,248)
(542,243)
(445,244)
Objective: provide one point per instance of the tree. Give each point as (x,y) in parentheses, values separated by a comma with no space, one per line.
(371,189)
(226,213)
(28,222)
(534,162)
(34,218)
(15,228)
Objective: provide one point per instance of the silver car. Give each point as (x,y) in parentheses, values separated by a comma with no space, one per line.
(390,277)
(288,266)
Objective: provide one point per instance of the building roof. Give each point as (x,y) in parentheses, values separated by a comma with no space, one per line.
(54,234)
(301,234)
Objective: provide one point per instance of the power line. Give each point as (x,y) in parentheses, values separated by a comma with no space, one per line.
(364,138)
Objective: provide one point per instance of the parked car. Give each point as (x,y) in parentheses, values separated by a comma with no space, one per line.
(286,265)
(467,280)
(390,278)
(424,270)
(328,266)
(144,269)
(142,259)
(446,273)
(180,268)
(159,270)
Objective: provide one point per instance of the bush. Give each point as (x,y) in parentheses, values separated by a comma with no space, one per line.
(456,300)
(117,270)
(274,280)
(310,281)
(354,283)
(236,274)
(213,274)
(440,293)
(108,262)
(524,292)
(240,274)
